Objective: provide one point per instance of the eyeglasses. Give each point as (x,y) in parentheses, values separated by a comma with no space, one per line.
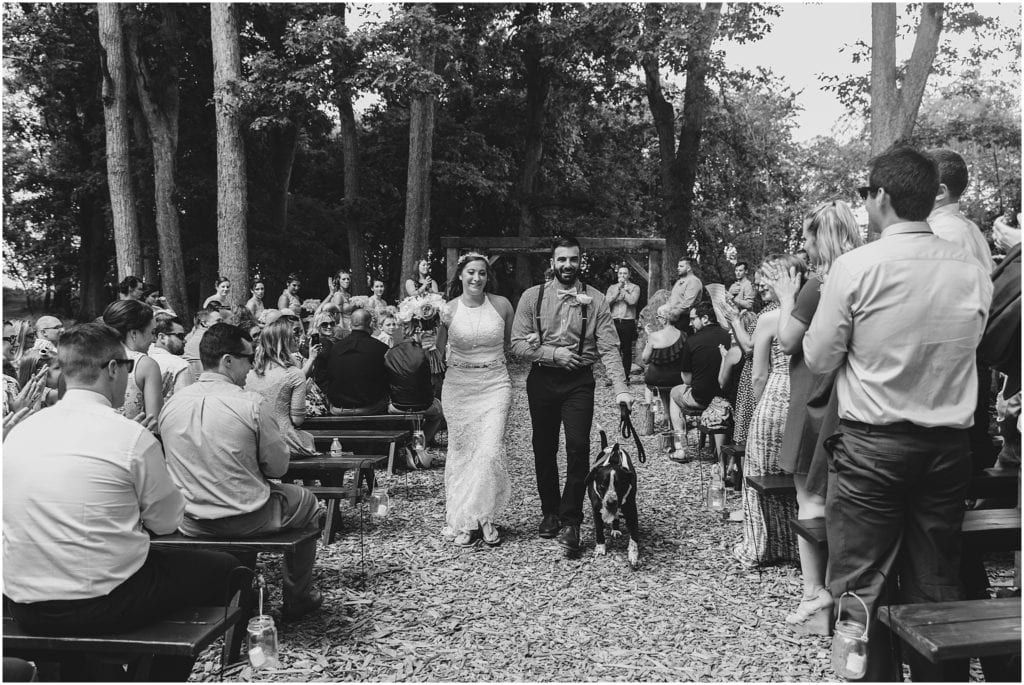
(179,336)
(250,357)
(52,328)
(10,339)
(326,324)
(127,363)
(863,191)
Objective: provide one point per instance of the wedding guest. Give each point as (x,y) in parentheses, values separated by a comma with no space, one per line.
(420,282)
(133,320)
(663,355)
(289,298)
(353,374)
(255,303)
(223,286)
(409,384)
(388,325)
(130,288)
(204,319)
(167,351)
(622,297)
(376,303)
(686,292)
(741,292)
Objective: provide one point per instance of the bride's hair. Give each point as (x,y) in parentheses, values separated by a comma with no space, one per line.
(455,287)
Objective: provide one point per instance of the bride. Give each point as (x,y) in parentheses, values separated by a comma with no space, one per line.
(476,396)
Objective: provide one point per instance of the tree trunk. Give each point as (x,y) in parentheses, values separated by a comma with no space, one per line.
(159,100)
(232,195)
(284,141)
(538,86)
(894,107)
(353,206)
(115,118)
(417,194)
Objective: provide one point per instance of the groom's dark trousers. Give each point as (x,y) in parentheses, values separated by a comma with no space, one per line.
(559,397)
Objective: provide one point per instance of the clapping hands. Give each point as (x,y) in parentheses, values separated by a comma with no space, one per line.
(785,283)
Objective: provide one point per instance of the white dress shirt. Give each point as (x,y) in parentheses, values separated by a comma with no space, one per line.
(902,316)
(175,371)
(949,223)
(80,481)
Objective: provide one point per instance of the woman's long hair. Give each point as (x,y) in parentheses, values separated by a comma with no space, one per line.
(276,345)
(29,363)
(783,261)
(835,232)
(127,315)
(415,277)
(455,287)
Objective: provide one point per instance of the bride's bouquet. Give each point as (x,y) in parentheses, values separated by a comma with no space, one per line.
(423,310)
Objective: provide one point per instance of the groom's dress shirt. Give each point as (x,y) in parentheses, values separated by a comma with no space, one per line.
(561,319)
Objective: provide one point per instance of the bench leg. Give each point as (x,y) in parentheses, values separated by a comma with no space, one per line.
(247,602)
(333,518)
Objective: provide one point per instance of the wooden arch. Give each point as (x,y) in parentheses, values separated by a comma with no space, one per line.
(496,246)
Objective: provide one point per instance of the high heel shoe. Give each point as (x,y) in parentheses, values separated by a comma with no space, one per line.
(814,615)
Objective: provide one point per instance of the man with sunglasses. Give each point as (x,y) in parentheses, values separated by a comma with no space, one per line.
(167,351)
(900,318)
(83,487)
(222,445)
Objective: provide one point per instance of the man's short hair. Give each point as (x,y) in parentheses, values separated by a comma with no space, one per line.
(221,339)
(703,309)
(688,260)
(910,179)
(952,170)
(165,323)
(85,348)
(565,241)
(203,315)
(362,319)
(129,284)
(744,265)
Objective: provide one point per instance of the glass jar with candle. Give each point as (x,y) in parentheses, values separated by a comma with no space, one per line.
(262,642)
(850,642)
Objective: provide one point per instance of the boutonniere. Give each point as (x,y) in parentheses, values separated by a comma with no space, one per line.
(584,299)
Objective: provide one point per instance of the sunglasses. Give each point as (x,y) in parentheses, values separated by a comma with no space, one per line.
(11,339)
(863,191)
(179,336)
(128,363)
(250,357)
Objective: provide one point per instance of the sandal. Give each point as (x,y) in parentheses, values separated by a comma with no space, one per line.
(490,533)
(465,539)
(814,615)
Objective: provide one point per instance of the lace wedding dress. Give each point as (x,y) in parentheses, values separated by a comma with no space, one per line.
(476,396)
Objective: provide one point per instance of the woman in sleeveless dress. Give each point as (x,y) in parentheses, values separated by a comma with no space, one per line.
(134,321)
(223,289)
(420,282)
(476,397)
(770,380)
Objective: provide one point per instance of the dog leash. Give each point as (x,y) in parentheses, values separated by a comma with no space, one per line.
(627,431)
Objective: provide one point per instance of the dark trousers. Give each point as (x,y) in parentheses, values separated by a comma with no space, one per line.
(169,579)
(626,328)
(561,398)
(896,504)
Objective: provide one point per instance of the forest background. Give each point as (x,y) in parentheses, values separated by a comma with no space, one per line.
(182,141)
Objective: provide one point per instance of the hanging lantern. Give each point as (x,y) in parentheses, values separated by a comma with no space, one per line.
(419,440)
(380,502)
(850,643)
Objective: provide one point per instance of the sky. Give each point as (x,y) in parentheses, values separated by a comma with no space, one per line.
(806,41)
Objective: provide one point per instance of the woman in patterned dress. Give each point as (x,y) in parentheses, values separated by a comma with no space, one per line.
(770,382)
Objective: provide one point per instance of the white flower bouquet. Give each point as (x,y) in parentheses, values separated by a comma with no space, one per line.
(425,308)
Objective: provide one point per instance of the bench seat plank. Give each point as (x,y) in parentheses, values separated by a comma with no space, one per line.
(285,541)
(992,529)
(365,435)
(383,421)
(779,484)
(352,461)
(812,530)
(953,630)
(185,632)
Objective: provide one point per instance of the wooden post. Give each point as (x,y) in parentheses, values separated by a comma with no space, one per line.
(451,256)
(654,269)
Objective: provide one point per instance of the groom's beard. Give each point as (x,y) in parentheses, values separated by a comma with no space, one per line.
(567,276)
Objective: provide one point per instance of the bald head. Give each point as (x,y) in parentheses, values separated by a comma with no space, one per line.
(361,320)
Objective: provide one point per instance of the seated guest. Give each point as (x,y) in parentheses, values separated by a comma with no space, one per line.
(130,288)
(222,444)
(662,355)
(700,360)
(167,351)
(388,326)
(82,486)
(223,289)
(204,319)
(353,374)
(281,382)
(134,321)
(48,330)
(410,387)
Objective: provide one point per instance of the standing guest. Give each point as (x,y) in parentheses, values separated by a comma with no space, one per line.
(205,318)
(10,349)
(420,282)
(281,382)
(289,298)
(563,327)
(699,363)
(340,296)
(134,321)
(152,297)
(167,351)
(622,297)
(130,288)
(830,230)
(388,325)
(48,330)
(685,294)
(409,385)
(804,257)
(901,318)
(477,486)
(946,220)
(376,302)
(223,287)
(255,303)
(353,374)
(223,444)
(741,292)
(82,486)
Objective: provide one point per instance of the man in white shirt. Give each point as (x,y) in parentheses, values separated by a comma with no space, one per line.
(83,487)
(946,220)
(222,444)
(622,297)
(741,292)
(167,351)
(900,318)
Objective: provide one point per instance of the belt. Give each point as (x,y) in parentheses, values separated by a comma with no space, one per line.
(904,427)
(500,361)
(623,319)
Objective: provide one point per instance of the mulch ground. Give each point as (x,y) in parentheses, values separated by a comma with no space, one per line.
(403,604)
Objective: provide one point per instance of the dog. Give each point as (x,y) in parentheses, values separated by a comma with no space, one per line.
(611,485)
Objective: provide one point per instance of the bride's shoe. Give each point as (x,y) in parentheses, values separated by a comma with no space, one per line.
(814,615)
(465,539)
(490,533)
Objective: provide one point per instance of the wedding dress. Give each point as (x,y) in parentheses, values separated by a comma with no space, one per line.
(476,396)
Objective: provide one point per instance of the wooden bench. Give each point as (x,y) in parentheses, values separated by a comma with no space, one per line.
(778,506)
(369,422)
(772,486)
(246,550)
(184,633)
(956,630)
(984,530)
(330,471)
(994,483)
(333,495)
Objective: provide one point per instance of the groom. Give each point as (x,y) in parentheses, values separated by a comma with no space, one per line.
(563,327)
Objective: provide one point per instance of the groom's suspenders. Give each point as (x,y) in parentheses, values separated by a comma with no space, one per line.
(540,331)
